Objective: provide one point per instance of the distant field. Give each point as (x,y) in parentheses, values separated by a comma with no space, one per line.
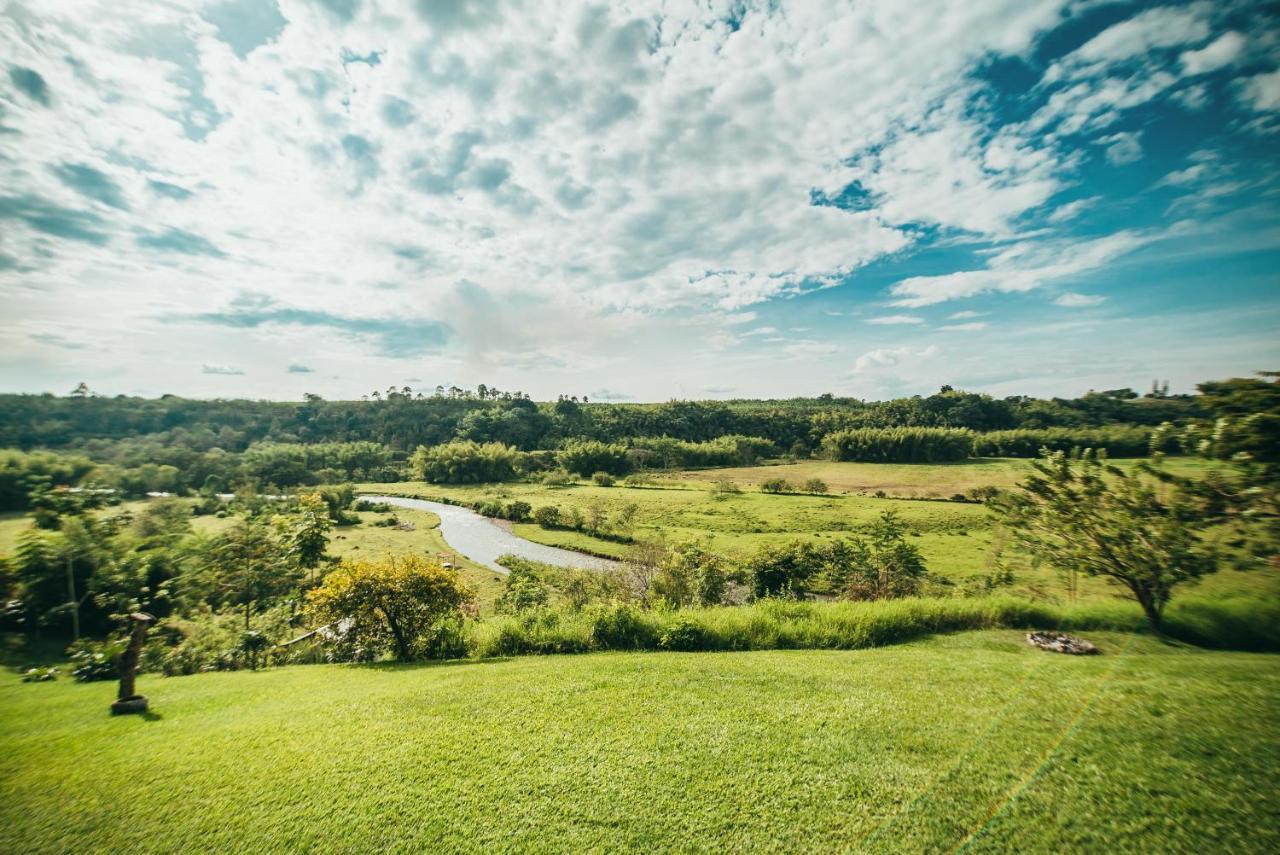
(957,539)
(916,480)
(971,740)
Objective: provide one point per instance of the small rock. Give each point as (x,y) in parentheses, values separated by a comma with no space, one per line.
(1061,642)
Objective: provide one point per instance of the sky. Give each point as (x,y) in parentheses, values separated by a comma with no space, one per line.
(637,200)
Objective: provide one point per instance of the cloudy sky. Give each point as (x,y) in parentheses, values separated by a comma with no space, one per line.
(637,199)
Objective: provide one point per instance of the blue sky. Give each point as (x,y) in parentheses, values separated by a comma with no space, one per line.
(637,200)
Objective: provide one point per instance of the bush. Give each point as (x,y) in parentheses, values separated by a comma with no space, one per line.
(517,511)
(814,485)
(722,487)
(622,627)
(547,516)
(683,634)
(669,453)
(94,660)
(602,479)
(899,445)
(557,478)
(40,675)
(775,485)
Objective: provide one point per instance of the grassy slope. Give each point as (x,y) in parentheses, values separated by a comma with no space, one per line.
(967,738)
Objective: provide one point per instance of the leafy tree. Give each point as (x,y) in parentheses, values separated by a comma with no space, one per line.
(305,532)
(814,485)
(1079,513)
(881,567)
(588,456)
(466,462)
(393,604)
(250,567)
(547,516)
(524,590)
(775,485)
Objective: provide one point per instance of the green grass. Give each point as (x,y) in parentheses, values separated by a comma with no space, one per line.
(971,740)
(958,540)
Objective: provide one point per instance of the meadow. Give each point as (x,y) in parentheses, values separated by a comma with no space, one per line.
(971,742)
(958,539)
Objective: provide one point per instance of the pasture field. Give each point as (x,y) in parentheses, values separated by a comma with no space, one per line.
(972,741)
(959,540)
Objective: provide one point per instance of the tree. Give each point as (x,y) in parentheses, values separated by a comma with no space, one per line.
(1079,513)
(250,566)
(547,516)
(814,485)
(883,567)
(775,485)
(392,604)
(305,533)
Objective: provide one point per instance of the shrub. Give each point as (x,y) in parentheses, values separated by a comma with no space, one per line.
(683,634)
(94,660)
(40,675)
(722,487)
(557,478)
(814,485)
(547,516)
(517,511)
(389,605)
(775,485)
(602,479)
(621,627)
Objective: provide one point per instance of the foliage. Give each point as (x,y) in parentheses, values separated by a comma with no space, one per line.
(1078,513)
(584,457)
(466,462)
(389,605)
(602,479)
(881,567)
(39,674)
(775,485)
(1114,440)
(898,445)
(547,516)
(814,485)
(95,660)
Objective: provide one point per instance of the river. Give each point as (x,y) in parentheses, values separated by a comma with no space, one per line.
(482,540)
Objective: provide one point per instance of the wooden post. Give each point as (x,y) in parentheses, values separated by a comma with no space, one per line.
(127,700)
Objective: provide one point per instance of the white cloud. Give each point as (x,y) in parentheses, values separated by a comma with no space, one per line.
(884,358)
(1122,148)
(1222,51)
(963,315)
(1021,267)
(896,319)
(972,326)
(221,369)
(1073,300)
(1261,93)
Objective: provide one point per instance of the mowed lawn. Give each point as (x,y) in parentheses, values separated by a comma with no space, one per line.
(972,741)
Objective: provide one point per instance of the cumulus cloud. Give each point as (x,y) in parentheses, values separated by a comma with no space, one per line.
(892,357)
(559,187)
(226,370)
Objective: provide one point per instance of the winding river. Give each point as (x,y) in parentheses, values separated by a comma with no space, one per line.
(482,540)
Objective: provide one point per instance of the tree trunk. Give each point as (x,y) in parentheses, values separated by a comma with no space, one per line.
(247,606)
(71,600)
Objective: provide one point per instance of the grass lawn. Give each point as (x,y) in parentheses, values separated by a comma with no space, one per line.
(971,741)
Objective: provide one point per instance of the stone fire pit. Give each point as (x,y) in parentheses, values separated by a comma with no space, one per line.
(1061,642)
